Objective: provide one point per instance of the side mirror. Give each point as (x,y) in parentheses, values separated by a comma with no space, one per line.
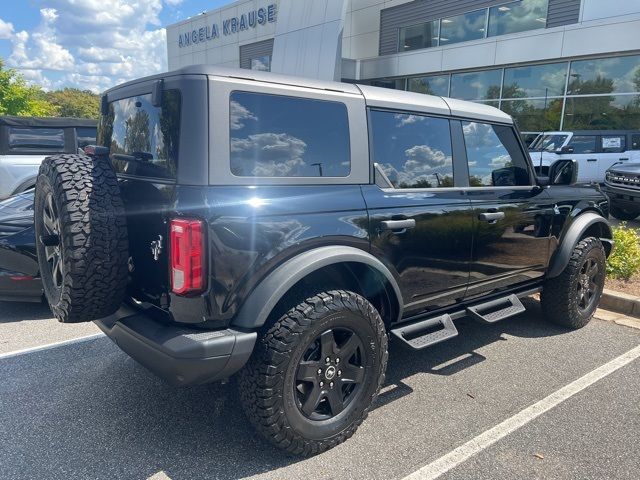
(563,172)
(566,149)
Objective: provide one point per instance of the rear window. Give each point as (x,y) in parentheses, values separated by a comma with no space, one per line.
(36,139)
(281,136)
(143,139)
(86,136)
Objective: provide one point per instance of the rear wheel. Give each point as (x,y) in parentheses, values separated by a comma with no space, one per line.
(315,373)
(623,213)
(571,298)
(81,237)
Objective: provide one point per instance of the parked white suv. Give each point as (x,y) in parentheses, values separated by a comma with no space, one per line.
(26,141)
(594,150)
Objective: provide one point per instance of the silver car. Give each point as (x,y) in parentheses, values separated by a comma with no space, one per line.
(26,141)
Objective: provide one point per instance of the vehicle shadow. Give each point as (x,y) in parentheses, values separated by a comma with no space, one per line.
(89,409)
(23,311)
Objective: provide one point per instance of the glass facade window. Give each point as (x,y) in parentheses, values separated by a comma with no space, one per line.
(262,63)
(535,81)
(395,84)
(281,136)
(605,75)
(432,85)
(424,35)
(533,115)
(608,112)
(476,85)
(462,28)
(414,151)
(517,17)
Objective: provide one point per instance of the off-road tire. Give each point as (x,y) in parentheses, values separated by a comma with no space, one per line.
(267,383)
(623,214)
(92,237)
(560,295)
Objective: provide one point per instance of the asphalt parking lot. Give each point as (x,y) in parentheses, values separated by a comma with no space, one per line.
(86,410)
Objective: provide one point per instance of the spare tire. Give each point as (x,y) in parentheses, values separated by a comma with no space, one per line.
(81,237)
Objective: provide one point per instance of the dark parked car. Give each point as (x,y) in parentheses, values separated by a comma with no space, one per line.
(281,229)
(622,185)
(19,278)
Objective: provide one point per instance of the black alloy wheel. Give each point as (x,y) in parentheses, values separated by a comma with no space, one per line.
(587,285)
(315,371)
(51,241)
(330,374)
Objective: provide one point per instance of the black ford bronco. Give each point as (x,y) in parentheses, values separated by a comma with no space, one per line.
(281,230)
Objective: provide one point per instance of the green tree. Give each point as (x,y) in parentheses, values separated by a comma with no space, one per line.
(72,102)
(19,98)
(137,137)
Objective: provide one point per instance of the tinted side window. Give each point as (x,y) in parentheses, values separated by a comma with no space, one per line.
(495,158)
(143,139)
(280,136)
(613,143)
(86,136)
(414,151)
(583,143)
(635,142)
(36,139)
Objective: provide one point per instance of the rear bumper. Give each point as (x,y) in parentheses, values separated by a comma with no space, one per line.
(178,354)
(623,197)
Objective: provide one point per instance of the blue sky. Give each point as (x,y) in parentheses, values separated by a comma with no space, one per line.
(90,44)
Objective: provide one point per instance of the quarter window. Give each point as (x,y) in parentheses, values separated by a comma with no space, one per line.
(36,139)
(613,143)
(414,151)
(494,156)
(583,144)
(281,136)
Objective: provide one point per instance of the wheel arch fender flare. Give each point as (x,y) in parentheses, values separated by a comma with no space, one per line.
(583,223)
(265,296)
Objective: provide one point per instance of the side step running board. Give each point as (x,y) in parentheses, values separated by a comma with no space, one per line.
(428,332)
(496,310)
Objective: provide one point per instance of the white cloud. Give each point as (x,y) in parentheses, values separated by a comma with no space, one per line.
(404,119)
(238,114)
(422,164)
(268,154)
(6,29)
(95,43)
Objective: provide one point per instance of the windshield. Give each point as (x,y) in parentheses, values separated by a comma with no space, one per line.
(548,143)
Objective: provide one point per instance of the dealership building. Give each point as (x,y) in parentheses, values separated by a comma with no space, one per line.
(552,64)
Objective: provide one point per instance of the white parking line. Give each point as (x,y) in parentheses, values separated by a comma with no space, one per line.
(491,436)
(48,346)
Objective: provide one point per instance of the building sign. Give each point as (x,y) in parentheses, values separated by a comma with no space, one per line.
(252,19)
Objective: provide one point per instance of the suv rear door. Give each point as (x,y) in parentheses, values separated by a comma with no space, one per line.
(512,216)
(147,141)
(420,222)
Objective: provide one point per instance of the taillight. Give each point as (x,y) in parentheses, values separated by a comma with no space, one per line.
(188,256)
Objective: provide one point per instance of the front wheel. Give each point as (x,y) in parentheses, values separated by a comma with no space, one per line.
(315,373)
(571,298)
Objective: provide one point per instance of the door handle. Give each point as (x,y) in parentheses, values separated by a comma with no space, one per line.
(491,217)
(592,159)
(397,224)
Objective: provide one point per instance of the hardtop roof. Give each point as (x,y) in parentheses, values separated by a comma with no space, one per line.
(374,96)
(52,122)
